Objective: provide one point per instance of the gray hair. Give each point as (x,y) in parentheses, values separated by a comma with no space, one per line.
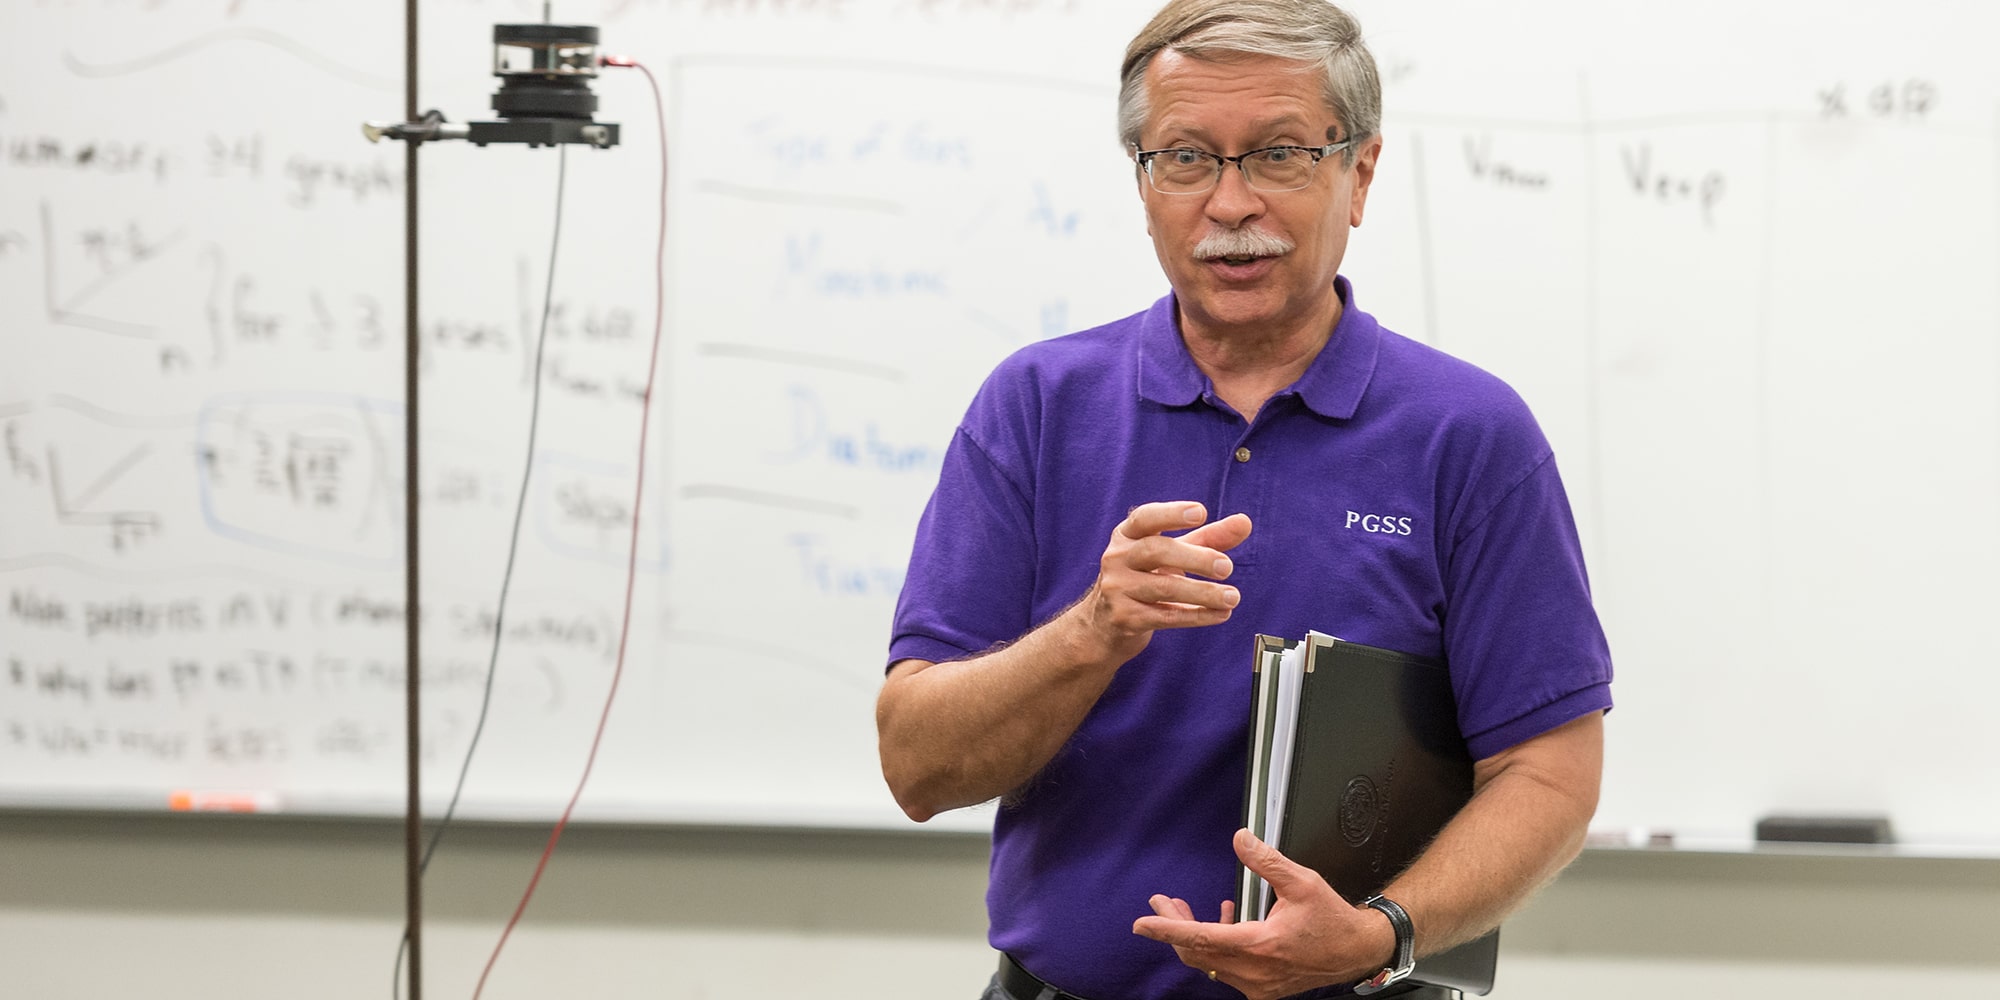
(1307,31)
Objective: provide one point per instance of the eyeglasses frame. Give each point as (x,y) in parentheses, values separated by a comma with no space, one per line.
(1144,157)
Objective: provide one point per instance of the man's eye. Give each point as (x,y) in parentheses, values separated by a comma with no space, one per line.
(1185,157)
(1279,155)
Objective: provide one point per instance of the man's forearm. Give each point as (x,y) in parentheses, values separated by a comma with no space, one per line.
(961,732)
(1525,822)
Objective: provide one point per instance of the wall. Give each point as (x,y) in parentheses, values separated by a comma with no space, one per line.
(179,908)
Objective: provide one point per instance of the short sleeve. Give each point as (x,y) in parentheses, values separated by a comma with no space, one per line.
(971,577)
(1526,648)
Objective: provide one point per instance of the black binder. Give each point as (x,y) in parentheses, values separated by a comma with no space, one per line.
(1376,767)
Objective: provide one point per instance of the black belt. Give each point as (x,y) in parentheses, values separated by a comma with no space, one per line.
(1024,985)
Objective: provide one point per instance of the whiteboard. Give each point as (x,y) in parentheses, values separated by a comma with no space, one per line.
(1740,258)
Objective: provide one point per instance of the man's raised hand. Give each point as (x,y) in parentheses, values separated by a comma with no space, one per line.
(1147,580)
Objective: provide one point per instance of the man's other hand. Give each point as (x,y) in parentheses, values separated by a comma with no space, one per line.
(1311,937)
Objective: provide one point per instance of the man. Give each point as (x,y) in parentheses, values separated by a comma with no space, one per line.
(1373,488)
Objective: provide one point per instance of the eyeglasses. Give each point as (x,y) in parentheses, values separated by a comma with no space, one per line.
(1185,170)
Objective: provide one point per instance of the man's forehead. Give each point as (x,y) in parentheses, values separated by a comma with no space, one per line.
(1303,125)
(1173,61)
(1266,96)
(1221,57)
(1278,88)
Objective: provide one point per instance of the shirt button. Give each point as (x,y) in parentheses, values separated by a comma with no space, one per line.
(1243,454)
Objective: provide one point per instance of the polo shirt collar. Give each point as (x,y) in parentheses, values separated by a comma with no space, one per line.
(1331,387)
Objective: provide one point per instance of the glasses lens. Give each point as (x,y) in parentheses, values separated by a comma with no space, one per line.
(1183,170)
(1279,169)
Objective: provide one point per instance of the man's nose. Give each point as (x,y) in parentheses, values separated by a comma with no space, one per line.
(1233,201)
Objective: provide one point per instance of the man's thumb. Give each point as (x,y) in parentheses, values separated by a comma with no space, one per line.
(1283,873)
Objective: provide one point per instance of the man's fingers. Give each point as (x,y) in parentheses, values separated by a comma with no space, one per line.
(1156,518)
(1171,907)
(1160,554)
(1150,580)
(1161,588)
(1221,535)
(1180,933)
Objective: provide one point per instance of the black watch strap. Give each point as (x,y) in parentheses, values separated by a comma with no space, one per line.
(1406,946)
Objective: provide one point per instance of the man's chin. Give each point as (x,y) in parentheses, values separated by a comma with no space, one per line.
(1261,310)
(1230,310)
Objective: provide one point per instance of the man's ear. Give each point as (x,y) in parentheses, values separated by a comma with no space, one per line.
(1364,175)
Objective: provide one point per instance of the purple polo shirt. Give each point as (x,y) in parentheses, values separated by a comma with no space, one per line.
(1399,497)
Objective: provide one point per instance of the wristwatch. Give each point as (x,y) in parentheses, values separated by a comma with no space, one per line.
(1406,946)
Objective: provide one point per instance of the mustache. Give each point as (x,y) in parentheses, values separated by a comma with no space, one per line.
(1241,243)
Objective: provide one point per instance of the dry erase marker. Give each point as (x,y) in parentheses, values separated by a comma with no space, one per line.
(195,801)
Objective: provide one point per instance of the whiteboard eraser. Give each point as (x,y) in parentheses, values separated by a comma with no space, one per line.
(1826,829)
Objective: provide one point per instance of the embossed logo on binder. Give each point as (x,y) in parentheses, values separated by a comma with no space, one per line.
(1359,807)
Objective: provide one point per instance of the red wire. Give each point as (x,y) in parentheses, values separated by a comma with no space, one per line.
(632,557)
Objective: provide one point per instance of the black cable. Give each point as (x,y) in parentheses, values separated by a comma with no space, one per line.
(513,546)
